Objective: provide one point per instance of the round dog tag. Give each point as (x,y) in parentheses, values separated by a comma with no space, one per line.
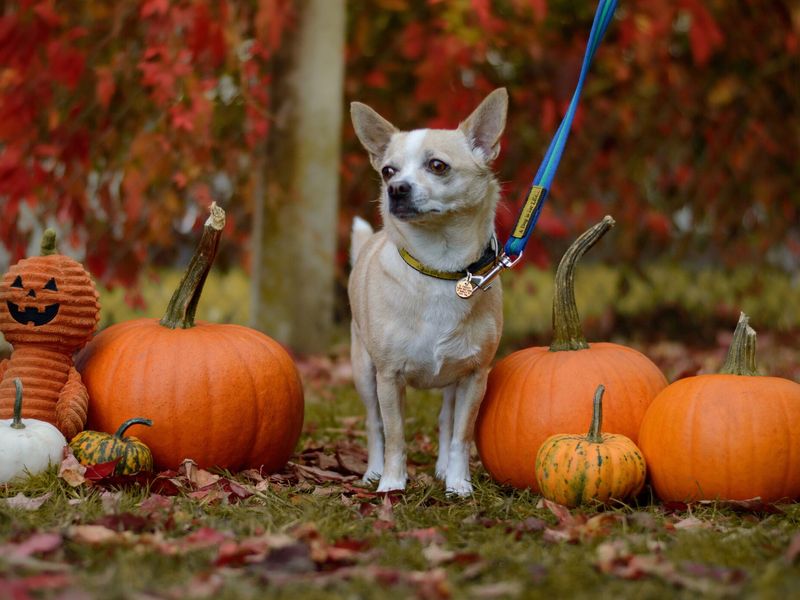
(464,288)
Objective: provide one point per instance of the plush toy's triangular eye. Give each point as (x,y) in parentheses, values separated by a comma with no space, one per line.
(17,282)
(51,285)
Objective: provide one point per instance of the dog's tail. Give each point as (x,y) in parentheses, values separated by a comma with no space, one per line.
(361,233)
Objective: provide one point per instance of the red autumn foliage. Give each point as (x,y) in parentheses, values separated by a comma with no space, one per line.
(117,120)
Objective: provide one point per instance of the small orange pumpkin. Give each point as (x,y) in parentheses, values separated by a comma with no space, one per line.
(49,309)
(537,392)
(222,395)
(734,435)
(574,469)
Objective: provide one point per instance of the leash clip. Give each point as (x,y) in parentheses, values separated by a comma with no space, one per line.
(467,285)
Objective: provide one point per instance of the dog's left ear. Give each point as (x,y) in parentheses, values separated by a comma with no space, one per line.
(485,125)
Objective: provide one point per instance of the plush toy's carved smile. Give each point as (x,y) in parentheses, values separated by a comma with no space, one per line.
(31,314)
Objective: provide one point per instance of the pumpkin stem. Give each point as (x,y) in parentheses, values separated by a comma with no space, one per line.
(594,435)
(567,330)
(16,421)
(48,245)
(183,304)
(135,421)
(741,359)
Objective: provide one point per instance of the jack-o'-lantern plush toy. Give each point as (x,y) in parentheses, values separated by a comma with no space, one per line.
(48,311)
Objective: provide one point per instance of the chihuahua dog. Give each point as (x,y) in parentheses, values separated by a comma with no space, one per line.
(438,201)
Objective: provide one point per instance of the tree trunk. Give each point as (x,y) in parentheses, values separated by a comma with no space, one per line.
(295,224)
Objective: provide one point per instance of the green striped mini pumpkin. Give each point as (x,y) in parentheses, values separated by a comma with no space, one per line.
(575,469)
(97,447)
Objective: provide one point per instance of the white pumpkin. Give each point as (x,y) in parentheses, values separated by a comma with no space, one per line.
(29,447)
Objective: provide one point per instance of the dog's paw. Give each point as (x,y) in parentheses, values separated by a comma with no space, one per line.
(460,487)
(388,484)
(371,476)
(441,470)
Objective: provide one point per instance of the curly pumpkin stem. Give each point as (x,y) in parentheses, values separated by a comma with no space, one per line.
(595,436)
(135,421)
(16,421)
(567,330)
(741,359)
(183,304)
(48,245)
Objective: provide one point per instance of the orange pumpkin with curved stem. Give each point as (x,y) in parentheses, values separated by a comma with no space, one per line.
(538,392)
(733,435)
(49,309)
(222,395)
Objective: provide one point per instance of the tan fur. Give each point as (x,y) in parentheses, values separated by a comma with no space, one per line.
(412,329)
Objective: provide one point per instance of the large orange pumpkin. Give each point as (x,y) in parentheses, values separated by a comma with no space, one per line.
(538,392)
(48,310)
(734,435)
(222,395)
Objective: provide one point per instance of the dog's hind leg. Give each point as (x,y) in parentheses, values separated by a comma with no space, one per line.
(445,430)
(469,393)
(391,396)
(364,379)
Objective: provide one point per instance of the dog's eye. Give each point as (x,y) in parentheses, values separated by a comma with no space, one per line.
(17,282)
(438,167)
(388,172)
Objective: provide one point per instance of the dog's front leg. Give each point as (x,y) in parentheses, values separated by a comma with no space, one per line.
(445,431)
(391,396)
(469,393)
(364,379)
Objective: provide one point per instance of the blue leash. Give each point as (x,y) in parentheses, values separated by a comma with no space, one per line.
(529,213)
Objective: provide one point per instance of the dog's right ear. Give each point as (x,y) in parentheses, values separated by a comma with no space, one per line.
(372,130)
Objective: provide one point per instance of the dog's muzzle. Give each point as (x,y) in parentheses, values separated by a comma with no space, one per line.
(401,204)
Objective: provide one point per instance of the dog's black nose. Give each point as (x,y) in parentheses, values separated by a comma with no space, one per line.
(399,191)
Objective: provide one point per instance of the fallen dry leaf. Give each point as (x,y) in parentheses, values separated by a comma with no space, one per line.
(690,523)
(72,471)
(615,558)
(23,502)
(205,537)
(574,528)
(753,505)
(319,475)
(127,522)
(200,478)
(38,543)
(101,470)
(352,458)
(93,534)
(155,503)
(436,555)
(429,535)
(252,475)
(292,559)
(21,587)
(385,514)
(209,495)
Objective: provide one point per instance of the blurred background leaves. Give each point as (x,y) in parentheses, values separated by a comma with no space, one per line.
(120,122)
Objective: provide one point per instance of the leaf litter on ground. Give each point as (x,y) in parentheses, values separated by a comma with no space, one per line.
(315,525)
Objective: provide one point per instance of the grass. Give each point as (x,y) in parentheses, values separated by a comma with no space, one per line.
(495,544)
(501,543)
